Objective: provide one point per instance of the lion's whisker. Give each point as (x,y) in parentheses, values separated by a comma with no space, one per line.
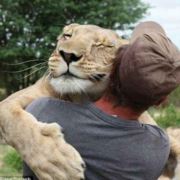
(32,73)
(24,62)
(92,78)
(13,72)
(47,73)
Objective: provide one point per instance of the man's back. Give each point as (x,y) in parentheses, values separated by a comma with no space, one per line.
(113,149)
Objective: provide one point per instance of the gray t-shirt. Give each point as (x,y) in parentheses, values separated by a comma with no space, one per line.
(113,148)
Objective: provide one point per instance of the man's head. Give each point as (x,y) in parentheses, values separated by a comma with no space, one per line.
(149,67)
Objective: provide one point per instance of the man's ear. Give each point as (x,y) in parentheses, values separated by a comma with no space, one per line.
(162,100)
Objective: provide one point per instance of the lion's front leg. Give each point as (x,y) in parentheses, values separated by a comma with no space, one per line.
(41,145)
(146,118)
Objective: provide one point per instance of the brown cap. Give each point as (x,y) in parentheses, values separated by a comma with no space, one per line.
(150,67)
(146,27)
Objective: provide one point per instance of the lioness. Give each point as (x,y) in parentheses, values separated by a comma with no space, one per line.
(85,54)
(79,68)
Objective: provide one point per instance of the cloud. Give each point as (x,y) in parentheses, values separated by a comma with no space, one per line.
(167,14)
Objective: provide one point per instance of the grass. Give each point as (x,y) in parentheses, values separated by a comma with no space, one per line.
(10,162)
(13,160)
(175,97)
(169,115)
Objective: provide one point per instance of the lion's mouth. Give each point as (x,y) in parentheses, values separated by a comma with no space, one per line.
(69,71)
(68,75)
(69,58)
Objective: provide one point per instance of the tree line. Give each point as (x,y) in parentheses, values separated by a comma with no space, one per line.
(28,31)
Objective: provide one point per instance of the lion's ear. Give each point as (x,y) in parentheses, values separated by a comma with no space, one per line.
(69,28)
(110,39)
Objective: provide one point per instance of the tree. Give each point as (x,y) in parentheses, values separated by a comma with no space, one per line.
(28,30)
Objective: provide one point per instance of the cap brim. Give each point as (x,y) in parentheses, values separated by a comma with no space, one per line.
(177,74)
(145,28)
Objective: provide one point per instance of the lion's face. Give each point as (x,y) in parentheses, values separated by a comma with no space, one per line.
(83,58)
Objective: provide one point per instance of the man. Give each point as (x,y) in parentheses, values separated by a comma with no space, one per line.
(114,145)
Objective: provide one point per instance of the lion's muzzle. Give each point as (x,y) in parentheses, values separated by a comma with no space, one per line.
(69,57)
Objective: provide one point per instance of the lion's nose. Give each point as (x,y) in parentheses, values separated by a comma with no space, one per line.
(69,57)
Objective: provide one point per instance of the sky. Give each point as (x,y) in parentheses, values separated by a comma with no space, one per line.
(166,13)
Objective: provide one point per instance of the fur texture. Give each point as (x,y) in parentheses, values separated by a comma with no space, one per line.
(85,54)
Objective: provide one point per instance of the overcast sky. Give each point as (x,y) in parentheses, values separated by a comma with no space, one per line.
(166,13)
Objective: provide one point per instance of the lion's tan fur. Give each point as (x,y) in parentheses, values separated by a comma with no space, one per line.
(97,46)
(42,145)
(174,134)
(171,172)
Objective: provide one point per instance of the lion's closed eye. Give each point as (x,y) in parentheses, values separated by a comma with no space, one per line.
(66,36)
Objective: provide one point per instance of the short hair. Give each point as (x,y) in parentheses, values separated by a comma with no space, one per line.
(114,92)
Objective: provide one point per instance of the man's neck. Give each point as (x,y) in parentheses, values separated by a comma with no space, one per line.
(120,111)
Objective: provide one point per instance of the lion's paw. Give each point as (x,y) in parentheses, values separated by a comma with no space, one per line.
(52,129)
(64,160)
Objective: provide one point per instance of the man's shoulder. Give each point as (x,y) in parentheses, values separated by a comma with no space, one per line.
(46,101)
(39,102)
(42,104)
(50,104)
(157,133)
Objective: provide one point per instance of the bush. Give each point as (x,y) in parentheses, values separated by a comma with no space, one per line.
(2,93)
(175,96)
(166,117)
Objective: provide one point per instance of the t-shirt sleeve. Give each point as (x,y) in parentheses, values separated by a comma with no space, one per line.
(36,107)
